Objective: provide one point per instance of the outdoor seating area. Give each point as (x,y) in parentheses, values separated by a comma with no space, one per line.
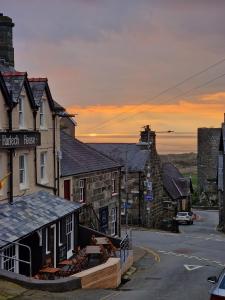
(96,253)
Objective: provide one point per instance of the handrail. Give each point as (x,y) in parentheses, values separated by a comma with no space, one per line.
(17,259)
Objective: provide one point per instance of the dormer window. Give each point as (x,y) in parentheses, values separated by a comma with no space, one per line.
(21,112)
(42,114)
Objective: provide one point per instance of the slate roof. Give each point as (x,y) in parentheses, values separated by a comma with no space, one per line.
(14,82)
(31,212)
(125,153)
(174,182)
(78,158)
(38,87)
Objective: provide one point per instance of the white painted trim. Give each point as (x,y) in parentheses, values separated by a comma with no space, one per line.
(70,252)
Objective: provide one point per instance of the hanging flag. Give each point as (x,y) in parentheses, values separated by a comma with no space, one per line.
(3,180)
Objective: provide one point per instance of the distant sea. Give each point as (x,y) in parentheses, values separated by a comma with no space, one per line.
(172,143)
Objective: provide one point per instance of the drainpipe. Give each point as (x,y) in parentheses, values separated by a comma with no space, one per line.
(11,152)
(139,198)
(119,212)
(54,152)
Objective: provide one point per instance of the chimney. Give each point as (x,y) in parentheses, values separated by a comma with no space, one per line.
(6,40)
(147,137)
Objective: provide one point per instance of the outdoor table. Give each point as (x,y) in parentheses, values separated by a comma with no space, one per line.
(49,272)
(102,241)
(93,249)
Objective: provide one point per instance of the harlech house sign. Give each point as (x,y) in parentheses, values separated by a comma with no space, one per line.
(20,139)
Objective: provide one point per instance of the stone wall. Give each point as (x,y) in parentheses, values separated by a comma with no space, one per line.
(207,162)
(98,195)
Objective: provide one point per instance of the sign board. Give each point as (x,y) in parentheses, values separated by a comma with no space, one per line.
(124,205)
(19,139)
(149,197)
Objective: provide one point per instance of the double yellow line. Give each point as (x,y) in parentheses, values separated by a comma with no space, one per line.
(152,252)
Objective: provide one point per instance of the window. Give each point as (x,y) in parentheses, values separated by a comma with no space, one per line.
(21,112)
(23,171)
(113,217)
(43,160)
(114,174)
(82,190)
(42,114)
(9,258)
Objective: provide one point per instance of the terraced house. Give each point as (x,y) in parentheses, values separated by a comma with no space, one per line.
(38,227)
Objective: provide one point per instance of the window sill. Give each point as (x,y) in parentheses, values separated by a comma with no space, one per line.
(43,128)
(44,181)
(115,194)
(23,187)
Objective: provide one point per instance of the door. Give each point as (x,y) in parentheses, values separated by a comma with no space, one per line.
(52,244)
(67,189)
(69,235)
(104,217)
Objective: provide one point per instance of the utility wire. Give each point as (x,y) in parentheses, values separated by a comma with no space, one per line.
(182,94)
(174,98)
(163,91)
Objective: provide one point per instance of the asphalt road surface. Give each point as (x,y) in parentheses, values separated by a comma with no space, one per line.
(185,261)
(175,267)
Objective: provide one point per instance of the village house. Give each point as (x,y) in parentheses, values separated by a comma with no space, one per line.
(141,183)
(92,179)
(177,187)
(221,178)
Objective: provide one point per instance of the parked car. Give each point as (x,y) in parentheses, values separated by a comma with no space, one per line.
(184,217)
(218,291)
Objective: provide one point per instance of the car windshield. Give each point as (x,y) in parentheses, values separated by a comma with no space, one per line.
(222,284)
(183,214)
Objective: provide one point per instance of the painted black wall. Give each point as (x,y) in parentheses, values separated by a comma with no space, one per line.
(36,254)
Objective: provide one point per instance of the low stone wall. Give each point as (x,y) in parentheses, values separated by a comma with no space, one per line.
(105,276)
(58,285)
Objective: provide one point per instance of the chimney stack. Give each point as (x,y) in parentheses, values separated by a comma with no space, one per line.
(6,40)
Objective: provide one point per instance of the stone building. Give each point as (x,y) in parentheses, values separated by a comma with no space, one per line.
(207,162)
(221,178)
(177,187)
(141,183)
(93,180)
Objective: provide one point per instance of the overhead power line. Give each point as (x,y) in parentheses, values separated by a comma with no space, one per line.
(163,92)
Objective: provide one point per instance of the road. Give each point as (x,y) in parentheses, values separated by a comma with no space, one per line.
(176,266)
(186,260)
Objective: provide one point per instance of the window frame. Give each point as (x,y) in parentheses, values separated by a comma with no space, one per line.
(114,181)
(82,188)
(43,167)
(42,115)
(21,118)
(23,184)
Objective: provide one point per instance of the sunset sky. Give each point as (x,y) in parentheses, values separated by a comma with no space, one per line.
(108,60)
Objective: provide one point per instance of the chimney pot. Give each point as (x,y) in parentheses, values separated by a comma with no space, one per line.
(6,39)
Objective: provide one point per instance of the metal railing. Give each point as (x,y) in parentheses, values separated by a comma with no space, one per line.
(15,259)
(125,246)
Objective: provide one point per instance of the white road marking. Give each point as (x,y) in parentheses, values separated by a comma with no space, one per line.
(192,267)
(191,257)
